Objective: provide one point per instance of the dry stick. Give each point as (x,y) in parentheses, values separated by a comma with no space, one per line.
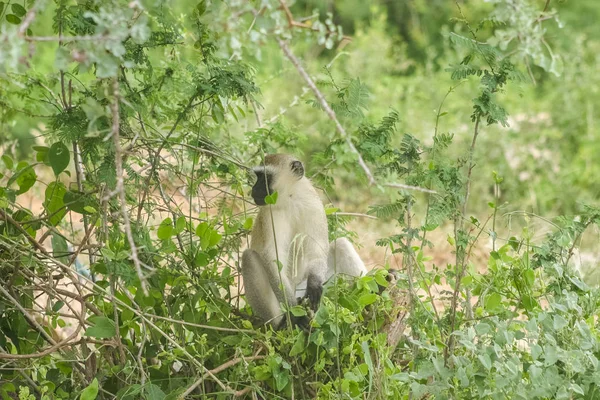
(329,111)
(218,369)
(120,190)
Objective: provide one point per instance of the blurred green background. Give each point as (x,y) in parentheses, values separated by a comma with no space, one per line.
(400,50)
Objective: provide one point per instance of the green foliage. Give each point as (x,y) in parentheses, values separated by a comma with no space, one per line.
(122,221)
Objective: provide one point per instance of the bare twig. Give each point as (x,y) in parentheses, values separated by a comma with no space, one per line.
(218,369)
(120,190)
(68,39)
(297,24)
(329,111)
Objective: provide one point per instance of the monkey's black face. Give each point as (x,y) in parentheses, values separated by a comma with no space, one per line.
(262,188)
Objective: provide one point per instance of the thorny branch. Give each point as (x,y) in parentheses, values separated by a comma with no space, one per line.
(331,114)
(120,190)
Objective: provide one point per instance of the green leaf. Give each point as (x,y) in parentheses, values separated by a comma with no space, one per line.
(103,328)
(165,229)
(559,322)
(18,9)
(486,361)
(209,237)
(248,223)
(59,157)
(200,8)
(13,19)
(272,198)
(8,161)
(493,301)
(298,311)
(298,346)
(79,202)
(529,277)
(54,203)
(57,306)
(180,224)
(25,177)
(59,247)
(153,392)
(367,354)
(90,392)
(367,299)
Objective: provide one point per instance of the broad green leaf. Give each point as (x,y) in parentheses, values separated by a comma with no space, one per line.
(493,301)
(367,299)
(13,19)
(486,361)
(59,157)
(282,378)
(153,392)
(54,203)
(165,229)
(18,9)
(25,177)
(8,161)
(559,322)
(298,346)
(103,328)
(529,277)
(272,198)
(180,224)
(59,247)
(90,392)
(80,202)
(298,311)
(201,259)
(57,306)
(248,223)
(331,210)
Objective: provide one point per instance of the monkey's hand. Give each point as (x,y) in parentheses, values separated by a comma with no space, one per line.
(314,291)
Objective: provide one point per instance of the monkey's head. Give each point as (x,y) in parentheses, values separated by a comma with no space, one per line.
(279,173)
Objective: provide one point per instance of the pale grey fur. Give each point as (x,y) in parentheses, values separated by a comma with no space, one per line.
(300,243)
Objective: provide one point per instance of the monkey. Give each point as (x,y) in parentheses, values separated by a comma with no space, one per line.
(289,244)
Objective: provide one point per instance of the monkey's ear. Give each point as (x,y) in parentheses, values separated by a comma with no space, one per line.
(297,168)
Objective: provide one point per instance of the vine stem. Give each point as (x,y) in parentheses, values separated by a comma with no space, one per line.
(120,190)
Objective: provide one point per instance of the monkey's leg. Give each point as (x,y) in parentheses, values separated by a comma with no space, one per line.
(343,259)
(259,293)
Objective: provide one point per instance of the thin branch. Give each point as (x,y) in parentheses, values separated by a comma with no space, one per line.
(218,369)
(329,111)
(68,39)
(120,190)
(297,24)
(55,345)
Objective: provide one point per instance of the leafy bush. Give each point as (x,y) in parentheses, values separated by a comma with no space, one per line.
(121,225)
